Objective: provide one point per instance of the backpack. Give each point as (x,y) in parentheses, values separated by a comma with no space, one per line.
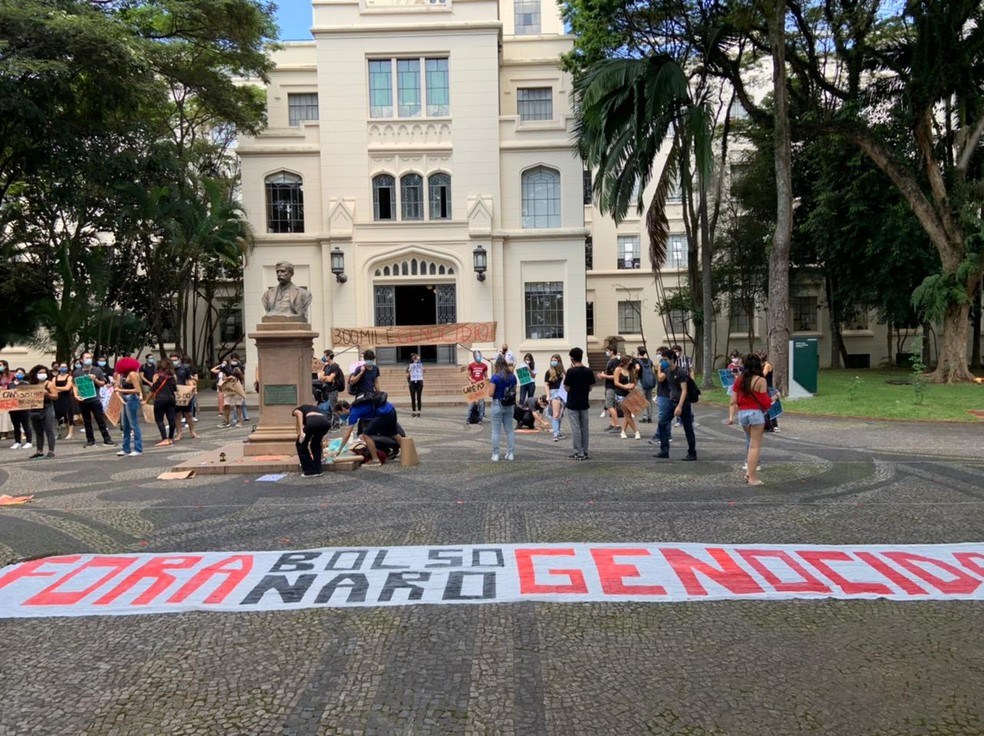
(338,383)
(647,378)
(473,416)
(509,395)
(693,393)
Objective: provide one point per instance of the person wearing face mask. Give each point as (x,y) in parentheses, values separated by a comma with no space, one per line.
(6,426)
(608,376)
(554,380)
(477,372)
(184,375)
(106,392)
(363,379)
(92,407)
(64,404)
(236,363)
(528,390)
(415,382)
(664,406)
(20,419)
(43,419)
(148,369)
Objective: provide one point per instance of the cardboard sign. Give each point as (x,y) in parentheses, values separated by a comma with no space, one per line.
(727,378)
(85,387)
(652,573)
(464,333)
(22,397)
(115,409)
(634,403)
(183,395)
(475,391)
(524,376)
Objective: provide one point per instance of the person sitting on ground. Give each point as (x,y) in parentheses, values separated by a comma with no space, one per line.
(529,414)
(379,421)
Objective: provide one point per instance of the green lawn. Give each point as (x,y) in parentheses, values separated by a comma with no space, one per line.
(868,393)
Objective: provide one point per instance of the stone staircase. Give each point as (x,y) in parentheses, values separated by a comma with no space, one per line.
(442,385)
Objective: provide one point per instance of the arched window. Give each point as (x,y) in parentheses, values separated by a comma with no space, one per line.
(541,197)
(384,197)
(412,197)
(439,196)
(285,203)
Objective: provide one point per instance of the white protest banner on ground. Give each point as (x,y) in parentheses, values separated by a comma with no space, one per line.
(22,397)
(475,391)
(117,585)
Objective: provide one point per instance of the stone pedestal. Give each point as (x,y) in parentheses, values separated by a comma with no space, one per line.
(284,347)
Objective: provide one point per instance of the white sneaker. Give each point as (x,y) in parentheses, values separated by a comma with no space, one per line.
(15,446)
(603,414)
(509,456)
(195,418)
(134,454)
(26,446)
(495,457)
(122,453)
(638,436)
(623,435)
(757,470)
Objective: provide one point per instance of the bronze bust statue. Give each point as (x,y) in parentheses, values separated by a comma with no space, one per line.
(286,298)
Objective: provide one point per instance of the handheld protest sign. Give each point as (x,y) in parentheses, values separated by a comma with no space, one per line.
(634,403)
(86,387)
(475,391)
(524,376)
(22,397)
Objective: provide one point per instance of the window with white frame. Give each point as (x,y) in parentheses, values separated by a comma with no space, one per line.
(739,320)
(534,103)
(628,252)
(541,197)
(676,251)
(401,79)
(439,193)
(301,108)
(412,197)
(384,197)
(630,317)
(527,17)
(544,310)
(804,313)
(285,203)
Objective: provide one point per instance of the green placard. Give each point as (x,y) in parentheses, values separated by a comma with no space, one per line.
(523,376)
(279,394)
(86,387)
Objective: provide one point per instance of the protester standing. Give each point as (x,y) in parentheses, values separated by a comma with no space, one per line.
(578,382)
(130,391)
(6,424)
(415,382)
(554,380)
(676,378)
(477,371)
(184,375)
(333,379)
(233,391)
(625,382)
(163,395)
(64,402)
(92,407)
(502,391)
(528,390)
(608,375)
(750,400)
(43,419)
(21,418)
(647,381)
(363,379)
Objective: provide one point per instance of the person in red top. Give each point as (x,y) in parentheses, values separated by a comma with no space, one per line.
(478,371)
(750,400)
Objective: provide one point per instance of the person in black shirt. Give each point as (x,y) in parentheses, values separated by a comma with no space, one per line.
(578,382)
(148,369)
(92,406)
(163,397)
(364,379)
(676,379)
(312,426)
(611,405)
(333,379)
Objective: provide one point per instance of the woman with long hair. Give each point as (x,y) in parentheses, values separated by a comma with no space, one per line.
(528,390)
(131,391)
(43,419)
(20,418)
(233,389)
(750,400)
(163,395)
(64,410)
(6,425)
(555,380)
(415,382)
(625,381)
(502,391)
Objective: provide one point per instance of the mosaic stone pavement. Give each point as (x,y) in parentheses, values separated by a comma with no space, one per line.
(746,667)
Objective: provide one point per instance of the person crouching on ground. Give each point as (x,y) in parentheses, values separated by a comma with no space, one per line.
(380,421)
(312,426)
(750,400)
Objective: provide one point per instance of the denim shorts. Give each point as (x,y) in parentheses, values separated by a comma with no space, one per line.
(751,417)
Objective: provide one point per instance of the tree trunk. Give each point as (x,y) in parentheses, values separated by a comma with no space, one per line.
(975,353)
(707,292)
(837,348)
(952,366)
(779,256)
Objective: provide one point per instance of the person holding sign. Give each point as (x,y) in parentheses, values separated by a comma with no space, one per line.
(527,389)
(87,380)
(43,419)
(415,382)
(20,418)
(477,371)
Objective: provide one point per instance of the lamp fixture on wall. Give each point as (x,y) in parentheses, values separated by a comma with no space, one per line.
(481,261)
(338,265)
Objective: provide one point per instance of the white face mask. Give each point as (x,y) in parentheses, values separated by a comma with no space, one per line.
(42,376)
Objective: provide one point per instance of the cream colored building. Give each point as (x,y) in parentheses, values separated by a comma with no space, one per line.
(407,136)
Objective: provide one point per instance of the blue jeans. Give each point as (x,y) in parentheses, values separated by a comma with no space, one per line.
(555,421)
(526,391)
(664,419)
(686,419)
(130,423)
(502,419)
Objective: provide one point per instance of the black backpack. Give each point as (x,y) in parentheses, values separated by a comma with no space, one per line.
(509,395)
(693,393)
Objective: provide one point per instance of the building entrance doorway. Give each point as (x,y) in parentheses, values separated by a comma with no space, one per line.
(415,304)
